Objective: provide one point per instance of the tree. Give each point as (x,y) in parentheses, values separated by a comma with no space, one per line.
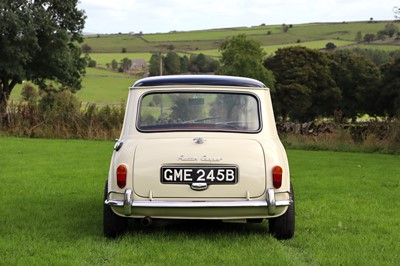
(387,101)
(369,37)
(330,46)
(114,64)
(184,61)
(154,68)
(86,48)
(39,41)
(396,11)
(92,63)
(381,35)
(378,57)
(358,38)
(304,87)
(357,79)
(172,63)
(391,29)
(244,57)
(126,64)
(285,28)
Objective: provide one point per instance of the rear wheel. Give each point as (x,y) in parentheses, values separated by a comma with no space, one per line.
(113,225)
(282,227)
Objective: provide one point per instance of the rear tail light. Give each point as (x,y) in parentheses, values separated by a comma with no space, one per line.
(277,176)
(121,176)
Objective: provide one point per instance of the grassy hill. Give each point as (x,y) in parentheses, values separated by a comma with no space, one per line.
(272,35)
(100,86)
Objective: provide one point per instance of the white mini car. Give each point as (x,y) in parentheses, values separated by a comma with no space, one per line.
(199,147)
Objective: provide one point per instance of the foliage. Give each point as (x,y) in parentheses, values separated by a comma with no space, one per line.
(396,11)
(86,48)
(241,56)
(172,64)
(358,38)
(378,57)
(391,29)
(357,78)
(114,64)
(59,114)
(387,100)
(330,46)
(39,42)
(29,93)
(200,63)
(125,64)
(304,87)
(92,63)
(154,67)
(369,37)
(184,63)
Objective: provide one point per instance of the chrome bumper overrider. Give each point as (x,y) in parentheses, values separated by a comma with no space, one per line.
(128,203)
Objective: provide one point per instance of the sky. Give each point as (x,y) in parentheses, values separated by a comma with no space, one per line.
(154,16)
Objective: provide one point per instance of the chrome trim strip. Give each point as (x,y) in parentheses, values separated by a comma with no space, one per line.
(197,204)
(128,204)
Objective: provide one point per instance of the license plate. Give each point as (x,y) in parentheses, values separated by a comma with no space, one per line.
(203,174)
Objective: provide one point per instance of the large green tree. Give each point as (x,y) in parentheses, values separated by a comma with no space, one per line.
(155,61)
(39,42)
(304,87)
(172,63)
(388,100)
(241,56)
(357,78)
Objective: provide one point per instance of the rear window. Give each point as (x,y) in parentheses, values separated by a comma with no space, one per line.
(211,111)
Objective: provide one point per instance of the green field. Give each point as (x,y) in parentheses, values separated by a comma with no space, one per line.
(107,87)
(102,59)
(98,86)
(191,41)
(347,213)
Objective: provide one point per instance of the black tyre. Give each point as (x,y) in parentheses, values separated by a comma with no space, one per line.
(113,225)
(282,227)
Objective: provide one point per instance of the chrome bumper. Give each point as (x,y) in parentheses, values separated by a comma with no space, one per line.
(128,203)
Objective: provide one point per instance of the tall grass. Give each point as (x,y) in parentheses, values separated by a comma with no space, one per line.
(61,115)
(382,137)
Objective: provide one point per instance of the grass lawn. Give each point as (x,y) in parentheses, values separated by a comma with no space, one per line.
(51,213)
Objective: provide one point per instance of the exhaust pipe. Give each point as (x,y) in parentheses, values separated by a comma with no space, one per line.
(146,221)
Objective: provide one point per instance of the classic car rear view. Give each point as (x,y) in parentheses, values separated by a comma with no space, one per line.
(199,147)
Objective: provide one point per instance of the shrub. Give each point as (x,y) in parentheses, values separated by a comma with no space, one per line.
(29,93)
(92,63)
(330,46)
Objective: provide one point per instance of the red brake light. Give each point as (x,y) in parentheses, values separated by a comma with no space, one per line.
(277,176)
(121,176)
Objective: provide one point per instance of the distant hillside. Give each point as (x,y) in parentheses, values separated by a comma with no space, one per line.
(269,35)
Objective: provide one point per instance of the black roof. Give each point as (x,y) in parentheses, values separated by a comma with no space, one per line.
(211,80)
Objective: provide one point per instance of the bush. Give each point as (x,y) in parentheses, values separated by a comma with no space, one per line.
(330,46)
(29,93)
(92,63)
